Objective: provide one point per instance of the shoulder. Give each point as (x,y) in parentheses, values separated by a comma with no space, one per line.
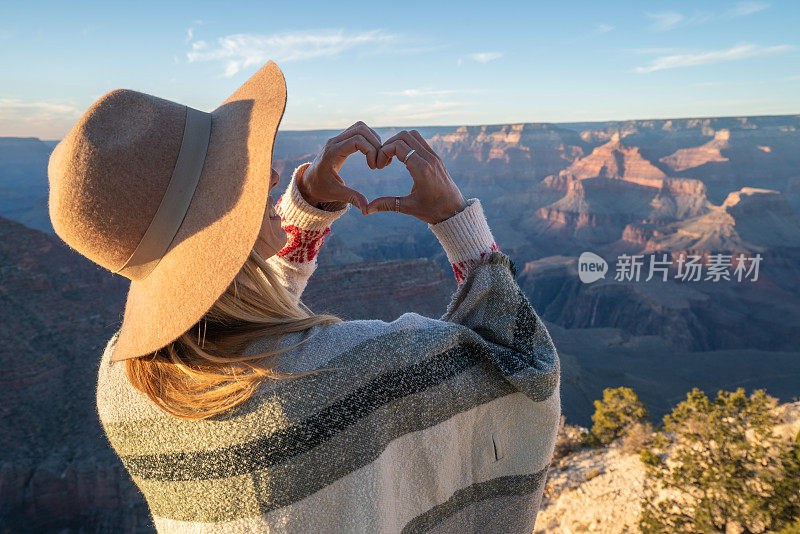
(116,399)
(407,338)
(408,326)
(358,348)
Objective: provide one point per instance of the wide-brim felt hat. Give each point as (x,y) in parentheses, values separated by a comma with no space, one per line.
(168,196)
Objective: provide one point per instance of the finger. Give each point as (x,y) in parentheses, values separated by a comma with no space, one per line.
(390,149)
(402,134)
(357,143)
(342,193)
(373,137)
(347,132)
(407,205)
(361,128)
(368,133)
(401,149)
(418,137)
(411,142)
(415,143)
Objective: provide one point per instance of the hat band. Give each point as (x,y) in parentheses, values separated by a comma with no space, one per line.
(170,213)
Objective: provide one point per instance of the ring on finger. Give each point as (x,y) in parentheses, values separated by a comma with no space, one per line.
(409,155)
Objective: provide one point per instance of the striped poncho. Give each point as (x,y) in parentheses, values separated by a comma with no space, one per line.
(424,425)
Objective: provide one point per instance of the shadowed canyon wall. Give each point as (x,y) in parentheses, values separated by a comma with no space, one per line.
(667,188)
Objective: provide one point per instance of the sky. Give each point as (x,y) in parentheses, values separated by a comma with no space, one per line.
(406,63)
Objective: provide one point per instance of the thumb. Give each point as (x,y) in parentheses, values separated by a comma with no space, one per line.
(388,204)
(353,197)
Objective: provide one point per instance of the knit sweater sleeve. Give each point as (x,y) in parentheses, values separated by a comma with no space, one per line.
(505,329)
(466,238)
(306,227)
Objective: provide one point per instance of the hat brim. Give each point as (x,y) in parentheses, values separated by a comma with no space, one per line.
(221,225)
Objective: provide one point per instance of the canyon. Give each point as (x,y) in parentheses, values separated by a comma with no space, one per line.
(657,189)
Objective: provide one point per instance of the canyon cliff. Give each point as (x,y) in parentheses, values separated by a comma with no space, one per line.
(664,189)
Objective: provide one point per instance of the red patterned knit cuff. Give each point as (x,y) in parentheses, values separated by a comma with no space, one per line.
(302,245)
(463,267)
(465,237)
(306,226)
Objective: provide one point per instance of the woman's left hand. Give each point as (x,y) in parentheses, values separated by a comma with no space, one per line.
(321,185)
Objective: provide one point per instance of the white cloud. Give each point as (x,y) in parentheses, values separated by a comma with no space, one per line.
(485,57)
(603,28)
(429,92)
(241,50)
(381,115)
(665,20)
(419,92)
(46,120)
(710,57)
(708,84)
(669,20)
(654,50)
(190,30)
(742,9)
(14,109)
(413,113)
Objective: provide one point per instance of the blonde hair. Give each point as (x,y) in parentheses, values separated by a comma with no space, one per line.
(204,373)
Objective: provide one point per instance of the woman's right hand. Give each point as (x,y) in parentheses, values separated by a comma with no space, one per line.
(320,183)
(434,196)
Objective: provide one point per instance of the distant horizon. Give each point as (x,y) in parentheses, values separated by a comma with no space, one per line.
(458,125)
(477,64)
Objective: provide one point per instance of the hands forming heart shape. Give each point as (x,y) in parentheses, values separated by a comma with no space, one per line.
(434,196)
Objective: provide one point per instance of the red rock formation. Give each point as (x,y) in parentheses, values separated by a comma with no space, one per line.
(688,158)
(615,160)
(542,147)
(642,234)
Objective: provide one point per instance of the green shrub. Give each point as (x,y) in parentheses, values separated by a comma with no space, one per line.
(648,457)
(728,470)
(794,528)
(590,440)
(619,408)
(797,446)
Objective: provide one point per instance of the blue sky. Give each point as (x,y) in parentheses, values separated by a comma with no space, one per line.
(406,63)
